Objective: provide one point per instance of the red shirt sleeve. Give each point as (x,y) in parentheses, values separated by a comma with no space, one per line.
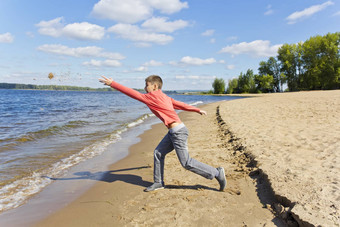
(129,91)
(183,106)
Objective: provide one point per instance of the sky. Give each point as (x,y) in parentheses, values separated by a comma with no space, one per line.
(188,43)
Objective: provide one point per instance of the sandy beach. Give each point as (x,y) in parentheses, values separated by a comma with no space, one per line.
(295,138)
(280,152)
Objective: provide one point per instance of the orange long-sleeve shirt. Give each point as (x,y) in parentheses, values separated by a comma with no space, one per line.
(159,103)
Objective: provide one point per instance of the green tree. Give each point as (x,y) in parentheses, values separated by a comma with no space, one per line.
(290,57)
(246,82)
(219,86)
(321,58)
(264,83)
(232,86)
(271,67)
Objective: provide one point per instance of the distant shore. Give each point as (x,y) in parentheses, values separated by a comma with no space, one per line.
(49,87)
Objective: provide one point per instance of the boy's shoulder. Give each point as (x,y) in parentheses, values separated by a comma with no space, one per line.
(159,94)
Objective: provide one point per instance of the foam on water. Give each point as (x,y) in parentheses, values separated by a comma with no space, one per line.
(196,103)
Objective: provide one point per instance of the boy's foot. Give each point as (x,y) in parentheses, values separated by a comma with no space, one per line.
(221,178)
(154,187)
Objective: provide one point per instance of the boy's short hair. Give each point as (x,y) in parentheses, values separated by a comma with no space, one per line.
(155,79)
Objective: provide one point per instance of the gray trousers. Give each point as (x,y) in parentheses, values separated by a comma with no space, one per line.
(177,138)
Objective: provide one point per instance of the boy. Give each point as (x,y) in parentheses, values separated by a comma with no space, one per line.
(164,108)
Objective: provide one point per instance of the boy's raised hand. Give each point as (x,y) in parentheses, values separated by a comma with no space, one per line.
(106,81)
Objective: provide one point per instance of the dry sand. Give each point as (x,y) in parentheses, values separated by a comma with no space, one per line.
(295,138)
(290,140)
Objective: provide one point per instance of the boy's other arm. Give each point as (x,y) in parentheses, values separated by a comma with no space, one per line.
(183,106)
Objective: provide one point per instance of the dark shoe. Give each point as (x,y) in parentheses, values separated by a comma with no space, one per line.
(221,178)
(154,187)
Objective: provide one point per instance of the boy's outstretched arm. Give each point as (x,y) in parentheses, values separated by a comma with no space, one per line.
(125,90)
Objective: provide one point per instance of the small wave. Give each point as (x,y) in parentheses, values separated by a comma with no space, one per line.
(196,103)
(32,136)
(138,120)
(17,192)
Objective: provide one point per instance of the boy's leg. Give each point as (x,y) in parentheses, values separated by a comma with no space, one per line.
(163,148)
(179,141)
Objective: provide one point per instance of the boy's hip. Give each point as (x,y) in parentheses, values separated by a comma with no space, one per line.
(176,127)
(174,124)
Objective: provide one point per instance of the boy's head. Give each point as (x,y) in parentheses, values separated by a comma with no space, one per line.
(153,83)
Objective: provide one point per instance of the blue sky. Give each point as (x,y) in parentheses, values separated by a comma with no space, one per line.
(187,43)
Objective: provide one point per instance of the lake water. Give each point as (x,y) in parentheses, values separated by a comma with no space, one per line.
(45,133)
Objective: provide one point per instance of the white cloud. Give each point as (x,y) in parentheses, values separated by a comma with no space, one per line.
(168,6)
(298,15)
(231,38)
(79,31)
(152,63)
(160,24)
(209,32)
(145,67)
(51,28)
(142,44)
(106,63)
(257,48)
(30,34)
(336,14)
(230,67)
(269,10)
(84,31)
(194,77)
(212,40)
(187,60)
(141,69)
(134,33)
(6,38)
(88,51)
(127,11)
(133,11)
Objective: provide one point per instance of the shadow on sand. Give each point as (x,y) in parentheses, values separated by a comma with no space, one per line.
(112,176)
(109,176)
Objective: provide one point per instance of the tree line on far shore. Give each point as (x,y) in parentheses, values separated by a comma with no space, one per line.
(311,65)
(49,87)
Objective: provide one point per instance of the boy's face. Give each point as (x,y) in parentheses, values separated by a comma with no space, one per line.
(149,87)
